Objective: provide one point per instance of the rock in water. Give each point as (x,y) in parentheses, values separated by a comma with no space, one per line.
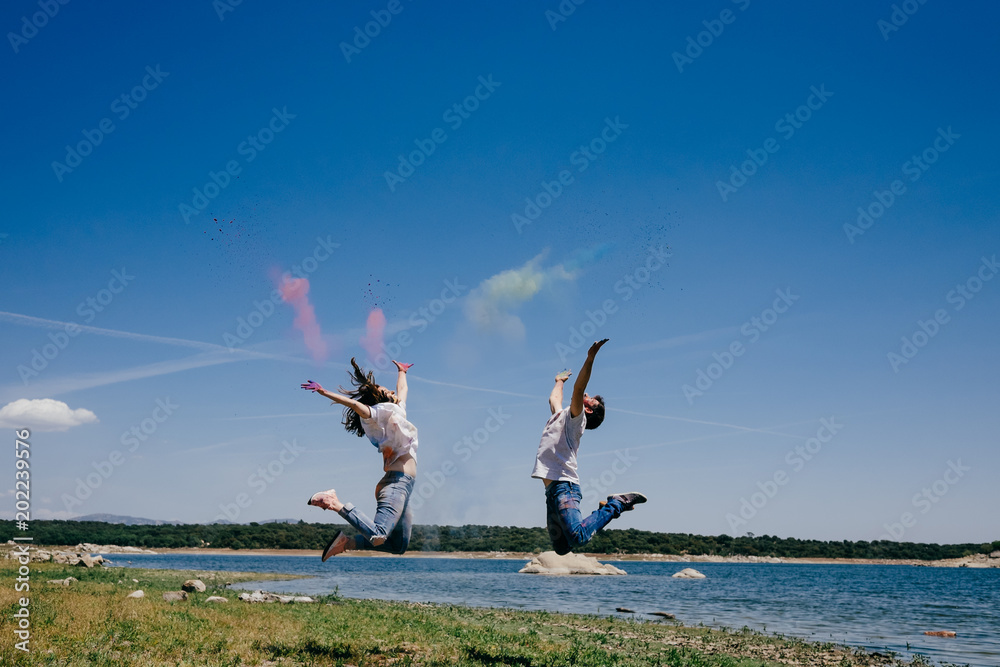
(940,633)
(193,586)
(689,573)
(138,595)
(175,596)
(549,562)
(661,614)
(625,610)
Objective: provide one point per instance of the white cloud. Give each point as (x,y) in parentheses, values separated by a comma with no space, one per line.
(43,414)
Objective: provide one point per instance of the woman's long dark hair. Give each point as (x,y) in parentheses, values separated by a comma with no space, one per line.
(365,391)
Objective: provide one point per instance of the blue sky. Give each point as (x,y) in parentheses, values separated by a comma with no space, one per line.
(641,139)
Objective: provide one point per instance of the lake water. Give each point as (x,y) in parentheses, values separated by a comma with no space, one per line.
(876,606)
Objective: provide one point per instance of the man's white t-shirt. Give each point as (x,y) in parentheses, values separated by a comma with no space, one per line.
(390,432)
(556,458)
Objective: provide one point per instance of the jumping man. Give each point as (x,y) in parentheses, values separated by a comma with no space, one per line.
(555,463)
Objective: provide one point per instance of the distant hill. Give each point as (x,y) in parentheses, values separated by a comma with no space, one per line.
(141,521)
(127,520)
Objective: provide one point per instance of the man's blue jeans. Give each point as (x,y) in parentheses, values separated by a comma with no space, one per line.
(393,519)
(566,529)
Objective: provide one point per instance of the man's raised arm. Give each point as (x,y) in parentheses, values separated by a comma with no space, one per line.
(556,397)
(580,388)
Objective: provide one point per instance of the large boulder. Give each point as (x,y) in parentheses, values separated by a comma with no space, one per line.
(688,573)
(549,562)
(215,598)
(193,586)
(138,595)
(175,596)
(86,561)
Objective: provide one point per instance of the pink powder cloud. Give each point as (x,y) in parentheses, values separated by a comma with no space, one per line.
(295,292)
(373,339)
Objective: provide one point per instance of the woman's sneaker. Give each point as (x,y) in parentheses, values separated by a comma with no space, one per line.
(338,545)
(628,500)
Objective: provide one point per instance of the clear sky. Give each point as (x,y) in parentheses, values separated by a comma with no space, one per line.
(685,181)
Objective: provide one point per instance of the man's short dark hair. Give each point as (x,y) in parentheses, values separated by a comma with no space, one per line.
(595,418)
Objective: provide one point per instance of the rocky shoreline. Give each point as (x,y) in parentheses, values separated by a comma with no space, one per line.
(84,555)
(61,554)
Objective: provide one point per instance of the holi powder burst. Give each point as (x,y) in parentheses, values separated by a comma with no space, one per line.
(374,337)
(295,292)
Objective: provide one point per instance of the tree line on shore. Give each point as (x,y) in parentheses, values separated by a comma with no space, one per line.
(303,535)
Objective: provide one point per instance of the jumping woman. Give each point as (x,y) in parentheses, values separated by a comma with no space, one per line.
(379,413)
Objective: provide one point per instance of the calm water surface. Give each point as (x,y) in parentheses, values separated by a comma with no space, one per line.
(875,606)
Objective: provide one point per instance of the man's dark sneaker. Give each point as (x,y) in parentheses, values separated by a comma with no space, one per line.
(628,500)
(337,546)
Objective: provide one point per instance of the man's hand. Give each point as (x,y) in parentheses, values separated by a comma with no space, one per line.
(563,376)
(312,386)
(402,368)
(592,352)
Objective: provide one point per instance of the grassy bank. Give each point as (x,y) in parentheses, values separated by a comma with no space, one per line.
(91,622)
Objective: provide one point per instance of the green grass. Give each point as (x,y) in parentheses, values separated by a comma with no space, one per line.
(91,622)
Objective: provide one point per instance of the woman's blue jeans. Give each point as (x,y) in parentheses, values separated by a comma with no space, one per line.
(566,528)
(393,520)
